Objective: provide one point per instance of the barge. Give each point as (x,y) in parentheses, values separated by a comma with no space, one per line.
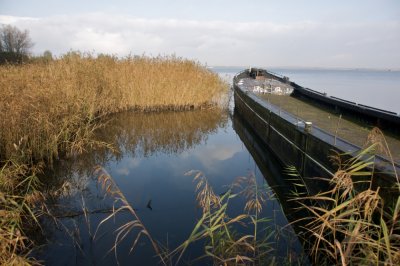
(298,142)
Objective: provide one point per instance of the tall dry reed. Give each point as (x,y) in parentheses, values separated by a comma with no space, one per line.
(220,235)
(225,243)
(50,109)
(350,223)
(54,105)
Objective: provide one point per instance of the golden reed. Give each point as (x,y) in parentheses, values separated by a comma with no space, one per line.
(48,109)
(51,106)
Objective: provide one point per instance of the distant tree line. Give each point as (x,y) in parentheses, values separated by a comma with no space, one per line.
(15,45)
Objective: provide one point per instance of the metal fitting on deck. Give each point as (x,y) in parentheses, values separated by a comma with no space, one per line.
(307,127)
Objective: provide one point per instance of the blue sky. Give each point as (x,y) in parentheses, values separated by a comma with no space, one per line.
(300,33)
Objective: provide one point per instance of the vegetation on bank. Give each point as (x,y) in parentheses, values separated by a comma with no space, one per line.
(51,108)
(354,221)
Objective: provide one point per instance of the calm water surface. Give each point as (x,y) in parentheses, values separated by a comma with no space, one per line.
(153,153)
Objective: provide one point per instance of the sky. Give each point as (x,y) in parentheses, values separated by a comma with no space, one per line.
(298,33)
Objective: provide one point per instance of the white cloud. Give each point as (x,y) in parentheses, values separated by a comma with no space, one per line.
(212,154)
(128,164)
(99,41)
(134,162)
(305,43)
(123,171)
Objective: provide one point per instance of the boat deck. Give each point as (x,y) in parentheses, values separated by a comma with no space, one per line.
(342,127)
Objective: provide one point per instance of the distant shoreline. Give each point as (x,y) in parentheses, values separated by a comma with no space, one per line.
(311,68)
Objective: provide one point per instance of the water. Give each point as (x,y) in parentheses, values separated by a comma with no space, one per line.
(376,88)
(153,153)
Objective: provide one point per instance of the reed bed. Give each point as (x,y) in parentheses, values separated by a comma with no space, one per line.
(19,184)
(53,106)
(350,223)
(52,109)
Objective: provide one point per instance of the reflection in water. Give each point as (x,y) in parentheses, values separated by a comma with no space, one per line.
(140,135)
(143,135)
(153,151)
(166,132)
(283,185)
(272,169)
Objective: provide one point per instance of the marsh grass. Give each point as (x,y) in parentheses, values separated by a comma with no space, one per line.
(244,239)
(351,224)
(121,204)
(56,105)
(49,110)
(18,195)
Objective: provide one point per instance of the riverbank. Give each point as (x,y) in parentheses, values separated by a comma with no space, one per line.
(51,110)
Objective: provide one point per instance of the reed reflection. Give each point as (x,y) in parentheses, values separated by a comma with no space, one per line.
(74,192)
(145,134)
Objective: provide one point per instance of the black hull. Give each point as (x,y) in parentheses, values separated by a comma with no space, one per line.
(383,119)
(293,143)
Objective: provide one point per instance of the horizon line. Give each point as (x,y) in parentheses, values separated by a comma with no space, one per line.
(309,67)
